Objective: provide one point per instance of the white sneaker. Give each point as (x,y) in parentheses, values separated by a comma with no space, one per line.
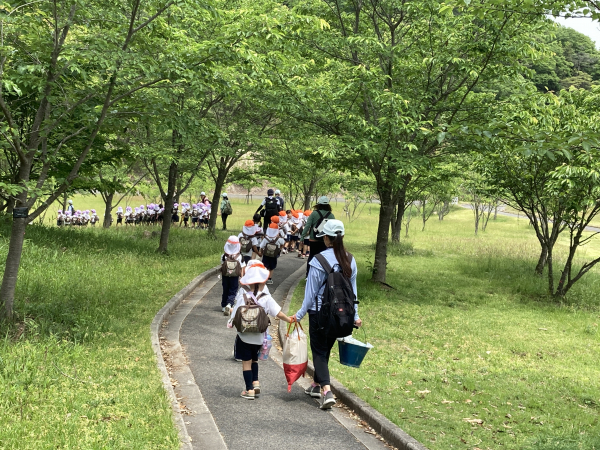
(269,281)
(227,310)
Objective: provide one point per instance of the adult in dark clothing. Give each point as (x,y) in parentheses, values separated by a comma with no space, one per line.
(280,201)
(322,211)
(270,206)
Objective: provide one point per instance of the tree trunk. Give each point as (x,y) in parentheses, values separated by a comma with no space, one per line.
(386,211)
(108,210)
(10,206)
(550,272)
(221,175)
(539,268)
(13,261)
(308,195)
(169,201)
(64,203)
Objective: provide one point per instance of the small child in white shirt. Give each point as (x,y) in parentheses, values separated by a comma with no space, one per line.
(248,344)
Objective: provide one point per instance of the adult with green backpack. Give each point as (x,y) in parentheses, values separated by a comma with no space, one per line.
(314,224)
(330,301)
(226,209)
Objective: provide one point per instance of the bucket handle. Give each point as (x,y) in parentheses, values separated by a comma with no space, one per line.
(365,333)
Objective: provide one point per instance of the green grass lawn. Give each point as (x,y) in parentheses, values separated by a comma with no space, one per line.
(77,369)
(469,351)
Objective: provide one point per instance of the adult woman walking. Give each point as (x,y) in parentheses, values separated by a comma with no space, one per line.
(322,211)
(320,343)
(226,210)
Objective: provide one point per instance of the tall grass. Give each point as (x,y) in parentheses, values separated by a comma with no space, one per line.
(77,369)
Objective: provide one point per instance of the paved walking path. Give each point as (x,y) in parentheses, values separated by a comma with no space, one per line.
(277,419)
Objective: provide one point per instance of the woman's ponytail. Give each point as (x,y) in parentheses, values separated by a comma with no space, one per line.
(341,255)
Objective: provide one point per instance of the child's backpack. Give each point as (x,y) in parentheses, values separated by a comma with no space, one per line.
(251,318)
(227,209)
(231,267)
(245,243)
(336,316)
(272,250)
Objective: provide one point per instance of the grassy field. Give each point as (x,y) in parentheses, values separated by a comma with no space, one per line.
(77,370)
(469,352)
(468,334)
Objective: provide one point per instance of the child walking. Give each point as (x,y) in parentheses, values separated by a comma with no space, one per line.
(248,241)
(231,270)
(249,301)
(271,248)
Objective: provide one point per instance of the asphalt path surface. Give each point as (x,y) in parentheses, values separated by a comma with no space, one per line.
(277,419)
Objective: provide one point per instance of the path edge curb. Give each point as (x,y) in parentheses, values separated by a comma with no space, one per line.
(155,326)
(391,432)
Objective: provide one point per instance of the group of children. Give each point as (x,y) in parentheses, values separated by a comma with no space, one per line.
(199,213)
(150,214)
(77,218)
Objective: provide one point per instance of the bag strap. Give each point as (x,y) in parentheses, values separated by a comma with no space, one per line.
(326,266)
(295,325)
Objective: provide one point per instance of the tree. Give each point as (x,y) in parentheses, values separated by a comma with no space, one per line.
(392,79)
(546,159)
(66,68)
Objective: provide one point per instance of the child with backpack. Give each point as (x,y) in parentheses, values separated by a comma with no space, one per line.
(248,241)
(271,248)
(330,301)
(231,270)
(250,317)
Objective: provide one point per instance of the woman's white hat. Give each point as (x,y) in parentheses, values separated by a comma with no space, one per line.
(323,200)
(332,228)
(70,202)
(202,193)
(256,274)
(224,194)
(277,192)
(249,231)
(232,246)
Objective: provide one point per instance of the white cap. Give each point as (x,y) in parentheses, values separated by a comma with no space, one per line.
(202,193)
(70,202)
(232,246)
(332,228)
(323,200)
(224,194)
(277,192)
(257,273)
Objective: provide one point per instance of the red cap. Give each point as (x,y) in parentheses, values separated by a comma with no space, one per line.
(249,223)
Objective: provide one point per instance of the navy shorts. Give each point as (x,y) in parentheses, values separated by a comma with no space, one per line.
(246,259)
(294,238)
(307,242)
(269,262)
(244,351)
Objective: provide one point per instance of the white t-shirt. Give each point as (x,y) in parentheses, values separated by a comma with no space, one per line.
(270,306)
(254,242)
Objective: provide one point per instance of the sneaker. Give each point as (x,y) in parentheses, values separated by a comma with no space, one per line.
(328,401)
(256,389)
(269,281)
(313,391)
(223,309)
(227,310)
(247,395)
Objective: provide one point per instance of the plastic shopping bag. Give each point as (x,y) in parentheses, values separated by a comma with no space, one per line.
(295,354)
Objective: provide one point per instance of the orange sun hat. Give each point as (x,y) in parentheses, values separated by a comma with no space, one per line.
(308,212)
(249,223)
(282,213)
(295,214)
(274,226)
(275,219)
